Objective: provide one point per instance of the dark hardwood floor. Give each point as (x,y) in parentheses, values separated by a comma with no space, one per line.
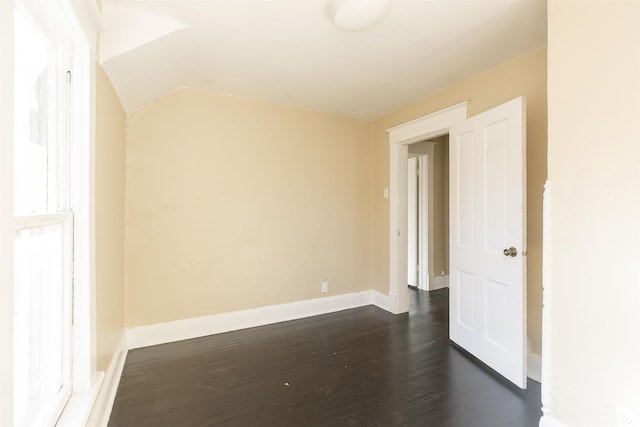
(360,367)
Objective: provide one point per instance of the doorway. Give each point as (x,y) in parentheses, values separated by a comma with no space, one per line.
(488,230)
(400,138)
(428,214)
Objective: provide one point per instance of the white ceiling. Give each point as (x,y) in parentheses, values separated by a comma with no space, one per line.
(289,52)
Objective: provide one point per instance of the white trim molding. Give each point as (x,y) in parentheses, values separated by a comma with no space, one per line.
(87,19)
(429,126)
(546,373)
(161,333)
(76,412)
(381,301)
(6,211)
(400,137)
(438,282)
(103,405)
(534,367)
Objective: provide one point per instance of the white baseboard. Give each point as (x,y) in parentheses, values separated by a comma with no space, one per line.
(101,411)
(160,333)
(438,282)
(549,421)
(381,301)
(534,367)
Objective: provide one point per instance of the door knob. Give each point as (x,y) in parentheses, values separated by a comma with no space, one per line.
(512,252)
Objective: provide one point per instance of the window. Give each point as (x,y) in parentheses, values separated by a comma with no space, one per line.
(42,224)
(47,284)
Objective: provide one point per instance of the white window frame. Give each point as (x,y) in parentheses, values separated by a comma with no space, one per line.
(48,20)
(81,18)
(6,212)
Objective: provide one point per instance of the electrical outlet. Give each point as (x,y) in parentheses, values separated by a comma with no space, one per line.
(443,273)
(324,287)
(627,418)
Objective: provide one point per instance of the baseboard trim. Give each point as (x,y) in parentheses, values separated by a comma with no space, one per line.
(549,421)
(438,282)
(99,416)
(161,333)
(534,367)
(381,301)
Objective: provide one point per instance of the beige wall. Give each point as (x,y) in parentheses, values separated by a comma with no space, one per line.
(233,204)
(594,170)
(441,206)
(526,76)
(109,199)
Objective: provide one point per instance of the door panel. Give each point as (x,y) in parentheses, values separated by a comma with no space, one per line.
(488,207)
(465,190)
(466,300)
(496,313)
(495,188)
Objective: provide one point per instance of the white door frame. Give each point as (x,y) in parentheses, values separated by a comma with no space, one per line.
(413,225)
(425,219)
(400,137)
(423,200)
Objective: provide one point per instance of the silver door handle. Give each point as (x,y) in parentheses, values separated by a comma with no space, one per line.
(512,252)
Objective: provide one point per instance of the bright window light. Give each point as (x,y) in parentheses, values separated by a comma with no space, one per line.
(42,251)
(32,129)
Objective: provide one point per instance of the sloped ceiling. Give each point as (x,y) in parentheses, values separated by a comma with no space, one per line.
(289,52)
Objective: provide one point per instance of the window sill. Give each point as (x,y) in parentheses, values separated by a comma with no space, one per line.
(77,411)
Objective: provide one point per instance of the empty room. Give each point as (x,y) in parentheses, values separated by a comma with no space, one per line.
(319,213)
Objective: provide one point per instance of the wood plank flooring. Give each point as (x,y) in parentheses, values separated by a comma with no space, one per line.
(360,367)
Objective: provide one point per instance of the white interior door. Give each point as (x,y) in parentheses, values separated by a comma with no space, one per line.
(488,238)
(412,221)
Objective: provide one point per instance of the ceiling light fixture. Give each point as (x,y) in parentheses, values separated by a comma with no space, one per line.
(356,15)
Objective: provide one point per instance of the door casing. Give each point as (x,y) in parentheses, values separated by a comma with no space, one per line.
(413,223)
(421,129)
